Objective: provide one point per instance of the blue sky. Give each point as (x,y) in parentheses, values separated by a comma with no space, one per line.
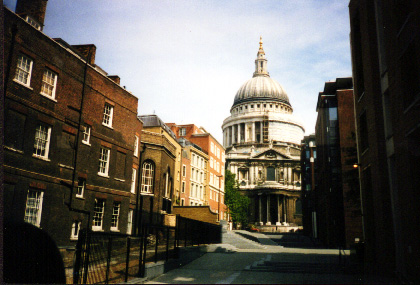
(185,60)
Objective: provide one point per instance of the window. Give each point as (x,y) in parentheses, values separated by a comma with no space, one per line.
(104,161)
(182,132)
(182,201)
(33,22)
(75,228)
(23,70)
(183,187)
(147,177)
(218,153)
(86,134)
(130,222)
(167,186)
(218,167)
(108,114)
(42,141)
(98,214)
(49,84)
(133,181)
(81,185)
(33,207)
(184,170)
(115,216)
(212,147)
(136,146)
(14,129)
(211,162)
(271,173)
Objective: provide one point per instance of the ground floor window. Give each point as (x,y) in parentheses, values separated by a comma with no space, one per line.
(98,214)
(33,207)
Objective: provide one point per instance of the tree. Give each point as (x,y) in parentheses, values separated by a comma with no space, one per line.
(237,203)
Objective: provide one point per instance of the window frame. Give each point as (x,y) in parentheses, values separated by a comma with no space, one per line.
(150,178)
(38,208)
(86,131)
(75,225)
(130,221)
(136,145)
(115,217)
(133,180)
(54,84)
(46,142)
(27,74)
(82,188)
(98,216)
(107,118)
(106,167)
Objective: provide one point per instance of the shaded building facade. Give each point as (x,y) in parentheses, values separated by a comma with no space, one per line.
(338,207)
(385,46)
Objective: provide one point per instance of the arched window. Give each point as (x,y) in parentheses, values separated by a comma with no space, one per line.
(271,173)
(147,177)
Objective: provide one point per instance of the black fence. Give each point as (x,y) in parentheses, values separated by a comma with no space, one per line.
(115,258)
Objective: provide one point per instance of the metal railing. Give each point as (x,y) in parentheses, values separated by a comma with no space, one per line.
(114,258)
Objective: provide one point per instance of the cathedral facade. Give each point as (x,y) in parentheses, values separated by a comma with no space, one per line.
(262,140)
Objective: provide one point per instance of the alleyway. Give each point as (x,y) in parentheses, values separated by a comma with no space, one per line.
(253,258)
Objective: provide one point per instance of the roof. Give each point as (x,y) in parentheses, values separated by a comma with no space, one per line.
(155,121)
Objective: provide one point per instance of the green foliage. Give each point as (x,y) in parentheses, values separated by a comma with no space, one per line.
(237,203)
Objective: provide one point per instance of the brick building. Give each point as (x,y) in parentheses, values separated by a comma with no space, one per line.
(194,175)
(71,135)
(216,167)
(385,45)
(338,207)
(308,166)
(160,169)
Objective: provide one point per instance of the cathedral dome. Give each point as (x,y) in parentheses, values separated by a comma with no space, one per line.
(261,88)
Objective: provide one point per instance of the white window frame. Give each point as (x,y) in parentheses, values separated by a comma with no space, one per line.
(183,187)
(98,214)
(104,157)
(33,209)
(133,181)
(211,162)
(81,188)
(212,147)
(24,70)
(108,115)
(147,181)
(136,146)
(130,221)
(86,129)
(42,144)
(182,132)
(75,229)
(47,85)
(115,218)
(33,22)
(184,170)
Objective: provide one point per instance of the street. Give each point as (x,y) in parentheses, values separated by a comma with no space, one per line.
(298,260)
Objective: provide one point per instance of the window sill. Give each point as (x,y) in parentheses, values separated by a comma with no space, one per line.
(13,149)
(146,194)
(41,158)
(48,97)
(118,179)
(74,238)
(108,126)
(65,166)
(86,143)
(80,197)
(103,175)
(97,229)
(23,84)
(115,230)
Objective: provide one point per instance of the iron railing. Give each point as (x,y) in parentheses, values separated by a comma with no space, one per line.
(114,258)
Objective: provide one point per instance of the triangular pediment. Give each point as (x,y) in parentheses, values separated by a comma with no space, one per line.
(271,154)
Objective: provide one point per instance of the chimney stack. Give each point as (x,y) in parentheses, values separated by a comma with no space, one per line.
(84,51)
(33,8)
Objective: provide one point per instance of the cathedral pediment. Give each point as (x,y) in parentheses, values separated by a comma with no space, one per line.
(272,154)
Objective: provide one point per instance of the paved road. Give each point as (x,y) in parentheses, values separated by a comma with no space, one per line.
(267,259)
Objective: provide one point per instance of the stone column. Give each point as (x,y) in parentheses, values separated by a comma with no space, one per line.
(253,132)
(246,132)
(284,210)
(261,132)
(260,210)
(278,210)
(268,211)
(233,134)
(239,132)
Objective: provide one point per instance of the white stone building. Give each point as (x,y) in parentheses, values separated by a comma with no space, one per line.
(262,140)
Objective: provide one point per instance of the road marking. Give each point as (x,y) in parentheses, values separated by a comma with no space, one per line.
(230,279)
